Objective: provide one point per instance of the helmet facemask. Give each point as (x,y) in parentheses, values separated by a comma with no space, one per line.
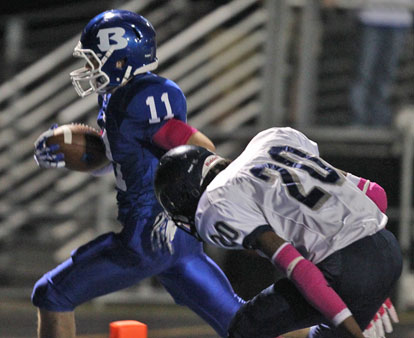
(90,78)
(185,223)
(182,211)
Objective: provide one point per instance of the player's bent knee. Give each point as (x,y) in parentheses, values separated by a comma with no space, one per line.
(45,296)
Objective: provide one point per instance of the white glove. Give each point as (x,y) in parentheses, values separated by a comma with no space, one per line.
(390,315)
(163,233)
(382,322)
(46,157)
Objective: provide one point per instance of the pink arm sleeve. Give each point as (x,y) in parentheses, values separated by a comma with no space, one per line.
(373,190)
(172,134)
(311,283)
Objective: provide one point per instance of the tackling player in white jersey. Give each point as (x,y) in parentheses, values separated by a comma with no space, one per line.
(309,218)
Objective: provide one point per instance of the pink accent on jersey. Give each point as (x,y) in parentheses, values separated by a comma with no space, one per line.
(311,283)
(375,192)
(172,134)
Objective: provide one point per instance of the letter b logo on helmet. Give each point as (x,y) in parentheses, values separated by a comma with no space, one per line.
(111,37)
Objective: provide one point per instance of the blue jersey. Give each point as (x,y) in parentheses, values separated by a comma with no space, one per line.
(129,118)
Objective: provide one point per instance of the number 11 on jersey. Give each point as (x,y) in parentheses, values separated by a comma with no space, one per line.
(153,109)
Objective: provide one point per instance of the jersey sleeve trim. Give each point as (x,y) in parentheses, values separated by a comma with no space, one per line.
(172,134)
(364,185)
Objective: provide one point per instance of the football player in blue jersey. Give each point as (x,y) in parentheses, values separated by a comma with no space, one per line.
(141,116)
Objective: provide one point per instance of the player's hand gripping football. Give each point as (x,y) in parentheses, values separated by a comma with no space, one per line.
(382,322)
(45,156)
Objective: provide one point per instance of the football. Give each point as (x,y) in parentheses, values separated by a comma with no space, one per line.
(81,145)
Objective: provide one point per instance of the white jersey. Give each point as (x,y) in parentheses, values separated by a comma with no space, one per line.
(280,181)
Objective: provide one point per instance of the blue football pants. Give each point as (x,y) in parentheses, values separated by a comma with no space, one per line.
(109,263)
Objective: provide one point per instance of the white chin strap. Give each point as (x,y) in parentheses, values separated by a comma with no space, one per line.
(147,68)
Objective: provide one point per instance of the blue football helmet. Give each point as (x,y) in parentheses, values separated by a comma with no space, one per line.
(182,175)
(116,45)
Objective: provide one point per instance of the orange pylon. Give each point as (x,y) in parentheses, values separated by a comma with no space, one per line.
(128,329)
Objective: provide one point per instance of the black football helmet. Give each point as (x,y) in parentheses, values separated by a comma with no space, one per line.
(181,178)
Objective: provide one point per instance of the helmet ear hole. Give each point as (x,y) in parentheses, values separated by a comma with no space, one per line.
(137,32)
(195,193)
(121,63)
